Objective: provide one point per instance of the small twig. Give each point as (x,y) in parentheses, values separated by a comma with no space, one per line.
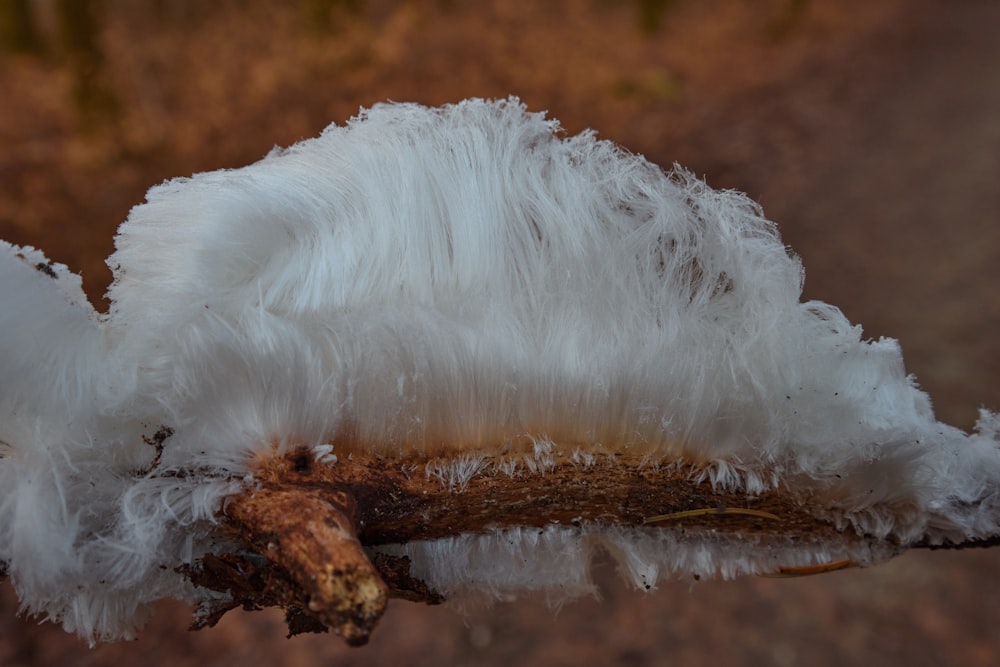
(710,511)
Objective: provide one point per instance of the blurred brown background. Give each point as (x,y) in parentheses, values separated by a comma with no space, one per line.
(870,131)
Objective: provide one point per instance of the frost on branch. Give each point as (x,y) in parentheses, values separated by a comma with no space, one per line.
(442,353)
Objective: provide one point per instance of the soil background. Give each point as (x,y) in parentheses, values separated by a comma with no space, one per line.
(870,131)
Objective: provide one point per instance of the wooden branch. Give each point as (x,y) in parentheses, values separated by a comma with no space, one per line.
(305,523)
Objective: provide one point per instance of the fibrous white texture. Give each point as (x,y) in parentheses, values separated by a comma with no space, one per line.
(461,275)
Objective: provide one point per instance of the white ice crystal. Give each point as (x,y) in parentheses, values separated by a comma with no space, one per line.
(463,275)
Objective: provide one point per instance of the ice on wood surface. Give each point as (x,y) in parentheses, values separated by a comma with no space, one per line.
(460,278)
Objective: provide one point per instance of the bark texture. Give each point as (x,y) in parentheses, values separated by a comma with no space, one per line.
(305,523)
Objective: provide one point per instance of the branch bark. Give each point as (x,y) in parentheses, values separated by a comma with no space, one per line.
(305,524)
(417,498)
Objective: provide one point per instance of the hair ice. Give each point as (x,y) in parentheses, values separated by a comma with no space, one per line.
(451,279)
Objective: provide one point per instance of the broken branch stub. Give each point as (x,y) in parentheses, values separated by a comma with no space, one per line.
(309,534)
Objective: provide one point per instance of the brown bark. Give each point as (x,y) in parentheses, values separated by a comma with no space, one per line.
(402,499)
(305,523)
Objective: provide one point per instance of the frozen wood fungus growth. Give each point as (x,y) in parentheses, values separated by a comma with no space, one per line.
(450,353)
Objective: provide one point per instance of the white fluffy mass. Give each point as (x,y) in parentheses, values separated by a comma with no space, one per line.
(426,279)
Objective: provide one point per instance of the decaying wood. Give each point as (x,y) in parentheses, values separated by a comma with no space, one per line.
(309,533)
(305,523)
(408,498)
